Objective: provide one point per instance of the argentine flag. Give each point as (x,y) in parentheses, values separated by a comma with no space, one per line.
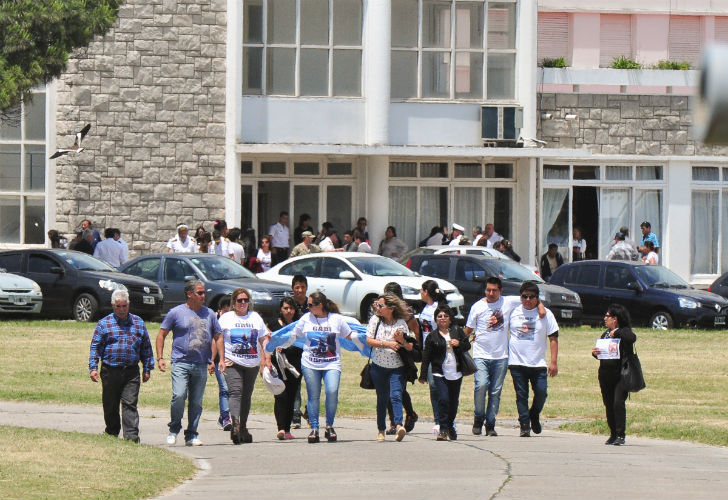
(357,342)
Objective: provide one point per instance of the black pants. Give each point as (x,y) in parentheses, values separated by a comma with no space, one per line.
(283,408)
(614,398)
(120,385)
(448,397)
(279,255)
(406,405)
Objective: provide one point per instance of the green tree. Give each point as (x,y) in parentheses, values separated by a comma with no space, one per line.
(37,36)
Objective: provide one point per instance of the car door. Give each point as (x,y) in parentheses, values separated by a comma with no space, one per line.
(584,279)
(434,266)
(340,290)
(174,270)
(616,278)
(58,287)
(469,278)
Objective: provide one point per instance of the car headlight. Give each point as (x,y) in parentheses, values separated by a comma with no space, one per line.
(36,287)
(260,296)
(408,290)
(687,303)
(111,285)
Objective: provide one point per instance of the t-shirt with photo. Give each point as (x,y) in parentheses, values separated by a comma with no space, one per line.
(427,320)
(242,337)
(321,350)
(491,341)
(192,333)
(528,332)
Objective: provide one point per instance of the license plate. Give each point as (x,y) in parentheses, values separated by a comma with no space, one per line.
(148,299)
(20,300)
(567,314)
(719,320)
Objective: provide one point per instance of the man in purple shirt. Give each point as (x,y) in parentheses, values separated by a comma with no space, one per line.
(119,342)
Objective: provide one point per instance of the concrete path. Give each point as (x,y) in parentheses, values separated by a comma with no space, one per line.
(554,465)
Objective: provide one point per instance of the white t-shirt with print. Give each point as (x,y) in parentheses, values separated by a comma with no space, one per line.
(321,350)
(242,337)
(528,332)
(427,320)
(491,341)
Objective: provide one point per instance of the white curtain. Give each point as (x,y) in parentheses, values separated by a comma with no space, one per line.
(614,212)
(468,209)
(704,232)
(619,172)
(706,174)
(724,234)
(553,200)
(433,210)
(402,213)
(648,208)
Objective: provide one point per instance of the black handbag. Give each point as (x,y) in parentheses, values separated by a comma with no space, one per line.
(631,377)
(366,375)
(467,365)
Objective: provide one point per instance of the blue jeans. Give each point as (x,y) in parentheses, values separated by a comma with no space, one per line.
(223,395)
(186,377)
(488,379)
(313,380)
(389,384)
(538,377)
(433,395)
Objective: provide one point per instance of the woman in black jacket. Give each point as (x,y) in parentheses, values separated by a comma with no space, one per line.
(619,327)
(442,351)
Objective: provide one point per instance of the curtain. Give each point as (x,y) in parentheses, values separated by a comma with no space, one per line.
(468,209)
(704,232)
(614,212)
(402,211)
(724,234)
(619,172)
(433,211)
(706,174)
(648,207)
(553,201)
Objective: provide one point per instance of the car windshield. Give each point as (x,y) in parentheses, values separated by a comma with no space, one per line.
(83,261)
(220,268)
(660,277)
(511,271)
(381,266)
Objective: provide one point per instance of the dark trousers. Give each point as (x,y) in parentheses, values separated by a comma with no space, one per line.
(241,382)
(283,405)
(279,255)
(614,398)
(448,397)
(406,404)
(121,385)
(537,377)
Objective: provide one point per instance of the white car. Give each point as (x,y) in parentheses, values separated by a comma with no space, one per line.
(19,295)
(354,280)
(462,250)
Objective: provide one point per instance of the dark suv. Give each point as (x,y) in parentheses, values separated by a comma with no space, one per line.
(654,295)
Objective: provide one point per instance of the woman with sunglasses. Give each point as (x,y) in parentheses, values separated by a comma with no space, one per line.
(622,339)
(245,336)
(284,402)
(442,348)
(386,335)
(322,326)
(433,297)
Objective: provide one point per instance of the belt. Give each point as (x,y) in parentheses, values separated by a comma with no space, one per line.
(120,367)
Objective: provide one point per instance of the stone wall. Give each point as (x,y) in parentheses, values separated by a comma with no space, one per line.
(622,124)
(153,90)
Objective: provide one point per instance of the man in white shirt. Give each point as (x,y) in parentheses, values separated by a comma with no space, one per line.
(124,246)
(280,236)
(457,234)
(109,250)
(182,242)
(490,233)
(527,356)
(477,234)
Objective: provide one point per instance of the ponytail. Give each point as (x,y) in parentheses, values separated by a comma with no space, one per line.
(433,290)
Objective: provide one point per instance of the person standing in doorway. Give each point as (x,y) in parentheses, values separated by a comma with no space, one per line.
(280,235)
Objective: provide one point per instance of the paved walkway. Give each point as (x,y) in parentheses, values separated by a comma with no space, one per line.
(554,465)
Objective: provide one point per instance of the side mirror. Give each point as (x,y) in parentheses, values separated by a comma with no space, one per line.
(479,279)
(57,270)
(633,285)
(190,278)
(347,275)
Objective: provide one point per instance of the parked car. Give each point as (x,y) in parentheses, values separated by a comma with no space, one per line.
(354,280)
(720,286)
(654,295)
(469,272)
(460,250)
(78,285)
(220,275)
(19,295)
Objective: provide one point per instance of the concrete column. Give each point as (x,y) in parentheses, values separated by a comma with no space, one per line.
(377,198)
(525,210)
(526,71)
(585,31)
(233,110)
(650,37)
(377,57)
(674,246)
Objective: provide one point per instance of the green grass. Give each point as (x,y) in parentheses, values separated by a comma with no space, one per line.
(40,464)
(685,399)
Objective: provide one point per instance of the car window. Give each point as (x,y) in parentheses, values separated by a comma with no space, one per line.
(83,261)
(10,262)
(146,268)
(467,271)
(439,268)
(39,263)
(660,277)
(507,270)
(586,275)
(617,277)
(307,267)
(331,268)
(379,266)
(220,268)
(176,270)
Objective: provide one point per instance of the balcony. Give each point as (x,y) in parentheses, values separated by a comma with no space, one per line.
(618,81)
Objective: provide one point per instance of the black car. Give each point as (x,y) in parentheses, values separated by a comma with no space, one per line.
(78,285)
(654,295)
(220,275)
(469,272)
(720,286)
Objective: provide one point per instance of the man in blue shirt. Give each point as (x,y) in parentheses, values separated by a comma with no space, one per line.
(648,235)
(120,341)
(194,327)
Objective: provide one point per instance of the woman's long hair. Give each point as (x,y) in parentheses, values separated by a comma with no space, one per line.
(622,314)
(399,306)
(433,290)
(291,303)
(329,306)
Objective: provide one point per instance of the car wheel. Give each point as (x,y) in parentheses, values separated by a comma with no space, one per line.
(366,311)
(85,307)
(661,320)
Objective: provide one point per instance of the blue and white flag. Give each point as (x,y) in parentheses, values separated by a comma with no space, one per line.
(357,342)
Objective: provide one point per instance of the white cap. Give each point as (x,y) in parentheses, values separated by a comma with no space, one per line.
(458,227)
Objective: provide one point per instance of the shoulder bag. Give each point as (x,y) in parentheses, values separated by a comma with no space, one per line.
(366,376)
(631,377)
(467,365)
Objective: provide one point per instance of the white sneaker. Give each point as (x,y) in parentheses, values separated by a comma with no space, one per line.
(171,438)
(436,429)
(193,442)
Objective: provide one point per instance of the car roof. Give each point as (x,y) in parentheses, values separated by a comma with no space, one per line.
(623,262)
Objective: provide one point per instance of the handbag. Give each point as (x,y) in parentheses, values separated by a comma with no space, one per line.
(631,377)
(366,376)
(467,365)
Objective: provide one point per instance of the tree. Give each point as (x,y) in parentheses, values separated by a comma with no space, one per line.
(37,36)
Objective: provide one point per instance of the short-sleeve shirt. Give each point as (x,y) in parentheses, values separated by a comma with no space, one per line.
(384,356)
(427,320)
(242,334)
(178,246)
(528,332)
(321,350)
(491,341)
(651,237)
(192,333)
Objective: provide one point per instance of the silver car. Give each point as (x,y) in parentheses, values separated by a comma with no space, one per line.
(19,295)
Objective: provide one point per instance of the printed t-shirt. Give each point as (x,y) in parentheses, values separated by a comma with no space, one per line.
(427,320)
(491,341)
(242,334)
(528,332)
(192,333)
(321,350)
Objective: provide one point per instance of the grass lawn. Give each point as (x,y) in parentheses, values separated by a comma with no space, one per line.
(685,372)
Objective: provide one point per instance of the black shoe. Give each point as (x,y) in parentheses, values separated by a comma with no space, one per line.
(490,431)
(477,428)
(525,431)
(305,415)
(611,440)
(452,434)
(235,431)
(409,422)
(442,436)
(535,424)
(313,437)
(330,434)
(391,431)
(245,436)
(619,441)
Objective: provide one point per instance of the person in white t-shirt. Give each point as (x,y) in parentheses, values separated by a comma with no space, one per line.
(322,326)
(182,242)
(527,356)
(265,255)
(245,335)
(650,258)
(235,250)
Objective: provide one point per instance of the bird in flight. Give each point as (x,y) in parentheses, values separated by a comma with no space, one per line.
(76,148)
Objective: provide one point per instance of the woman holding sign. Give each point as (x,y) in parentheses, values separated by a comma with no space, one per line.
(615,344)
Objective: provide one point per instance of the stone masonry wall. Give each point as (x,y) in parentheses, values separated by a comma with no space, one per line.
(153,90)
(622,124)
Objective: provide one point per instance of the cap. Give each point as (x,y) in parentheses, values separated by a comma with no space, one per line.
(307,234)
(619,235)
(181,227)
(458,227)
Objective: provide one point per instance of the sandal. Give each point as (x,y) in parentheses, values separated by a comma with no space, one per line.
(330,434)
(281,435)
(313,437)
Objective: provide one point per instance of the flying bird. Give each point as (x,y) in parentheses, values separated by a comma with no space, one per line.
(76,148)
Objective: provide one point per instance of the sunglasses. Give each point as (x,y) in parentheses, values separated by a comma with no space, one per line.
(528,296)
(200,293)
(242,301)
(376,305)
(312,304)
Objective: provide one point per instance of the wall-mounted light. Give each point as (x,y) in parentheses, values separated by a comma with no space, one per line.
(571,117)
(546,116)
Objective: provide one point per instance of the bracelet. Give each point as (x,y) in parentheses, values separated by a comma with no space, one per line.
(159,359)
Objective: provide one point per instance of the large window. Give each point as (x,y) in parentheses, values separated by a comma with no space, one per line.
(453,49)
(302,47)
(22,173)
(709,218)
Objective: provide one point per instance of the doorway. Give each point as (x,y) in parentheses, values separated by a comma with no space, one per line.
(585,215)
